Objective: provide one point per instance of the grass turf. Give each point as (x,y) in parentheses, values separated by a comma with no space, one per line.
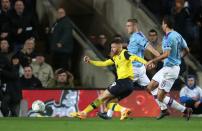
(95,124)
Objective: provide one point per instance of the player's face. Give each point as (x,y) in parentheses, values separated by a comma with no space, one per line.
(115,49)
(130,27)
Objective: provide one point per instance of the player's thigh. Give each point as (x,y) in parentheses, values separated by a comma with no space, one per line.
(143,80)
(170,74)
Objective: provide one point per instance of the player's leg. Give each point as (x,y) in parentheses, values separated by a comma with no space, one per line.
(170,75)
(174,104)
(96,103)
(123,89)
(108,113)
(144,81)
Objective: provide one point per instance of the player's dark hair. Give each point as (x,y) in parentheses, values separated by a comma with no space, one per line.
(134,21)
(117,41)
(153,31)
(169,20)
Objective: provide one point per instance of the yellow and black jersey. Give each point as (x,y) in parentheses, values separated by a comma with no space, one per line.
(123,63)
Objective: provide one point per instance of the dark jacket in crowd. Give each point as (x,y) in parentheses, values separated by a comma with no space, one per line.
(10,92)
(5,24)
(25,59)
(61,32)
(27,22)
(33,83)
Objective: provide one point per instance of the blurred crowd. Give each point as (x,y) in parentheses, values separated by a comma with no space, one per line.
(22,64)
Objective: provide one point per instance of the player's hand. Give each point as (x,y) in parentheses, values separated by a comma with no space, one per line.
(86,59)
(150,65)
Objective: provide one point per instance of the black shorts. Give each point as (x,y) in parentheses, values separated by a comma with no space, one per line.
(121,88)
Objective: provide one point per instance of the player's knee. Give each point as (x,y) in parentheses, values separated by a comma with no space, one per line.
(160,98)
(152,85)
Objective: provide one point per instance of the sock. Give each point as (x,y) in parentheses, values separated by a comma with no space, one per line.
(110,113)
(174,104)
(162,105)
(111,107)
(96,103)
(115,107)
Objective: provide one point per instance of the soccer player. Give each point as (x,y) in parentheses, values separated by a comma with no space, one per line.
(174,47)
(122,87)
(137,45)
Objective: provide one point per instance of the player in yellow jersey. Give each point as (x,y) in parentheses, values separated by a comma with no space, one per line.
(122,87)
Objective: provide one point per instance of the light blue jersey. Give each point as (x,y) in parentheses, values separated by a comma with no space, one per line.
(174,42)
(137,44)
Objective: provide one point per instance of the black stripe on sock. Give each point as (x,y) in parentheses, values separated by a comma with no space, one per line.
(113,107)
(93,105)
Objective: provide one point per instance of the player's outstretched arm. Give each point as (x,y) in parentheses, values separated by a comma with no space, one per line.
(98,63)
(152,50)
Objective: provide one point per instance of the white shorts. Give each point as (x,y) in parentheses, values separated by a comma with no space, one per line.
(166,77)
(141,76)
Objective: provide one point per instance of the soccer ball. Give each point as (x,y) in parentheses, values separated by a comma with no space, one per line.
(38,106)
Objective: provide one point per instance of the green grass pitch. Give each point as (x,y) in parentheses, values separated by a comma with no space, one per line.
(96,124)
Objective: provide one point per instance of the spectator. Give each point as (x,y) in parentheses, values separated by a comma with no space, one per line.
(28,80)
(182,17)
(5,21)
(15,62)
(62,79)
(27,54)
(9,91)
(5,49)
(23,25)
(101,45)
(155,42)
(61,41)
(42,70)
(93,39)
(191,95)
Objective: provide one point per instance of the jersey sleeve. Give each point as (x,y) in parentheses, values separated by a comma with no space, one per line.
(167,44)
(102,63)
(184,44)
(134,58)
(142,40)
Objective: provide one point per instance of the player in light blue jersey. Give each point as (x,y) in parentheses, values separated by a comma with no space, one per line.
(174,47)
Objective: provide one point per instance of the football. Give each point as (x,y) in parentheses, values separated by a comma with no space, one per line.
(38,106)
